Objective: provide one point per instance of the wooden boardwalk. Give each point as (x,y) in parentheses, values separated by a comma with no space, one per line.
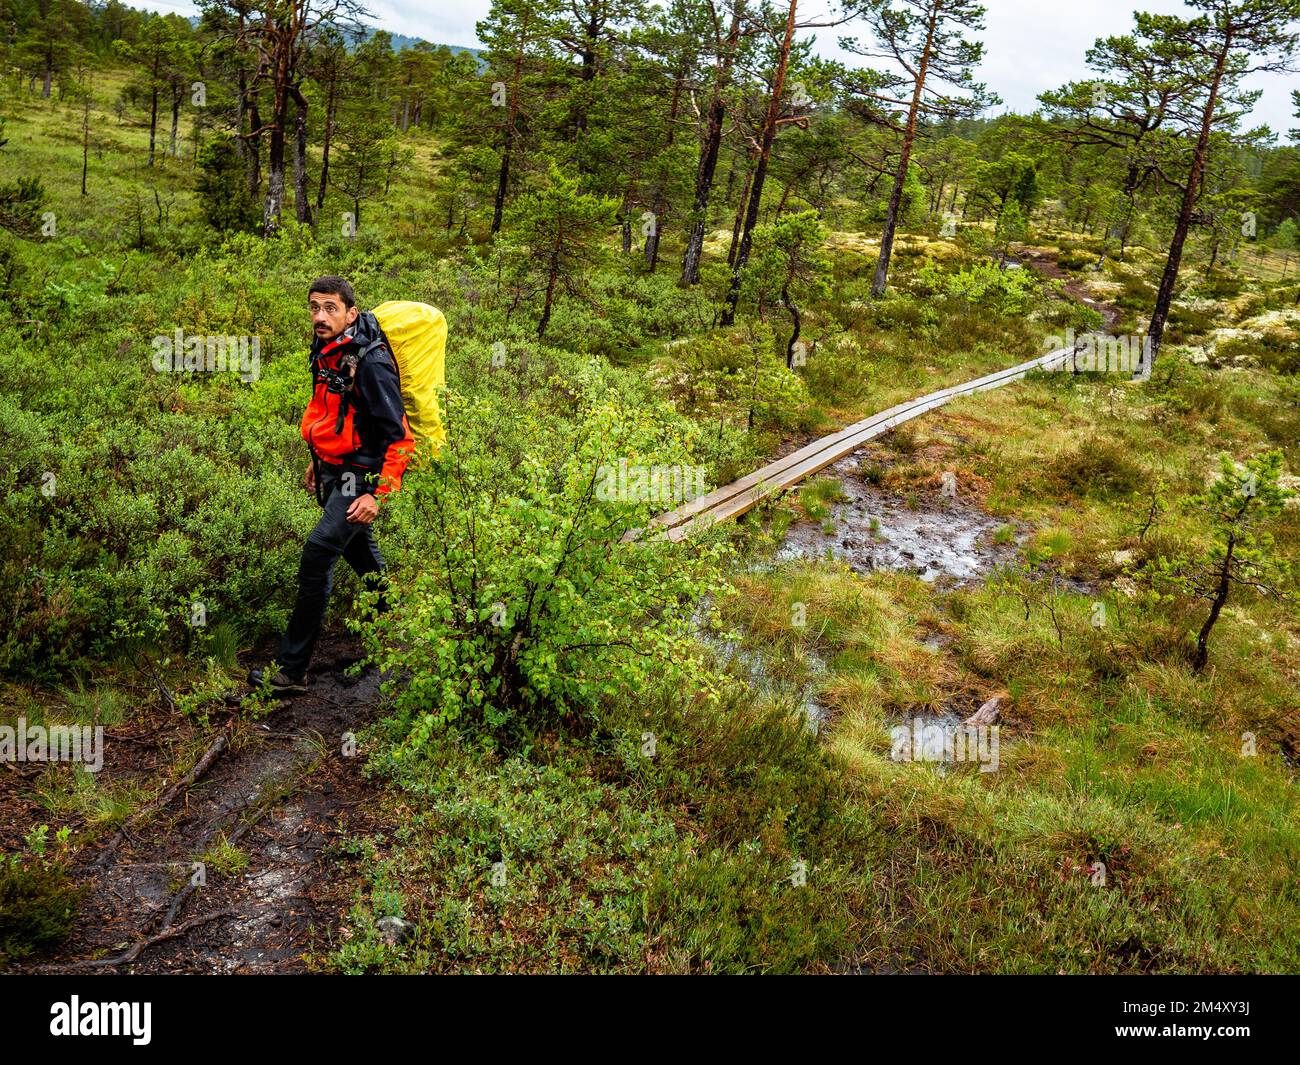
(735,499)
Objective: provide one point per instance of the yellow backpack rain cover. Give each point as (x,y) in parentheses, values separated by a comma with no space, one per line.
(417,335)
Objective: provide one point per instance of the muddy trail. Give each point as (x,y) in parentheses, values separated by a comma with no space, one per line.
(1048,266)
(230,873)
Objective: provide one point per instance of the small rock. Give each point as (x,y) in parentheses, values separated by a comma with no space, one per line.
(989,713)
(394,930)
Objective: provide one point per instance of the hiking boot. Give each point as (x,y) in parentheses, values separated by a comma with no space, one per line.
(281,683)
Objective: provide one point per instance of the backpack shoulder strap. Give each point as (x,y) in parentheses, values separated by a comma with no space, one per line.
(380,341)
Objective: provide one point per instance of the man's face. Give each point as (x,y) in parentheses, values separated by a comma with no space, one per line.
(329,317)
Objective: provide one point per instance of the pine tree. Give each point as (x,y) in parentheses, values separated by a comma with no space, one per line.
(559,231)
(925,40)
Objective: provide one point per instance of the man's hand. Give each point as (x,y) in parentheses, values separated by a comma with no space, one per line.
(363,510)
(310,479)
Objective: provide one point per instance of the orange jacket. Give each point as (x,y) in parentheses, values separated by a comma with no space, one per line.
(375,440)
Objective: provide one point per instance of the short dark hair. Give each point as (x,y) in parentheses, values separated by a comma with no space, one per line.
(329,285)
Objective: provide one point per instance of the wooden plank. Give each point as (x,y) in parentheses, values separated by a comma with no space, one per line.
(894,415)
(730,501)
(721,495)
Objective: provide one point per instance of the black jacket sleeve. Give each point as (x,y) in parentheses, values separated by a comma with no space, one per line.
(380,419)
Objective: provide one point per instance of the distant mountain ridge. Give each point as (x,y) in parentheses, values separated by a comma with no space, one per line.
(401,41)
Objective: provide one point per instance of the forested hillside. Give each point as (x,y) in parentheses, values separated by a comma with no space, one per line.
(673,242)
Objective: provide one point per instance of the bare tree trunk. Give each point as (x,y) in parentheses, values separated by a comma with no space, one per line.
(241,146)
(796,319)
(760,168)
(282,85)
(275,171)
(740,217)
(249,151)
(880,277)
(1165,295)
(651,249)
(550,295)
(254,150)
(176,121)
(85,141)
(512,112)
(709,155)
(785,196)
(274,197)
(302,208)
(703,187)
(153,123)
(326,138)
(1220,598)
(503,179)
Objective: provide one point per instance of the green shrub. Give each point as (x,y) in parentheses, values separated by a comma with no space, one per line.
(1098,465)
(685,856)
(223,188)
(1279,350)
(38,905)
(1220,284)
(1005,291)
(837,370)
(737,376)
(522,604)
(1076,260)
(1188,322)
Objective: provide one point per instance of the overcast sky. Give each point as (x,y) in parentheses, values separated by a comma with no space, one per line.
(1030,45)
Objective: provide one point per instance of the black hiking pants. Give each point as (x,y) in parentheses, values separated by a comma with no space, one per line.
(333,536)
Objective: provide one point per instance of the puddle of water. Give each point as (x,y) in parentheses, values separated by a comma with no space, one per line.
(940,538)
(752,668)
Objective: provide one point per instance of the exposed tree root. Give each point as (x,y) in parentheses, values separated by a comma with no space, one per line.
(165,799)
(138,948)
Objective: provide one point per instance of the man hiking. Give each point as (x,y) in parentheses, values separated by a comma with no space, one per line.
(356,429)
